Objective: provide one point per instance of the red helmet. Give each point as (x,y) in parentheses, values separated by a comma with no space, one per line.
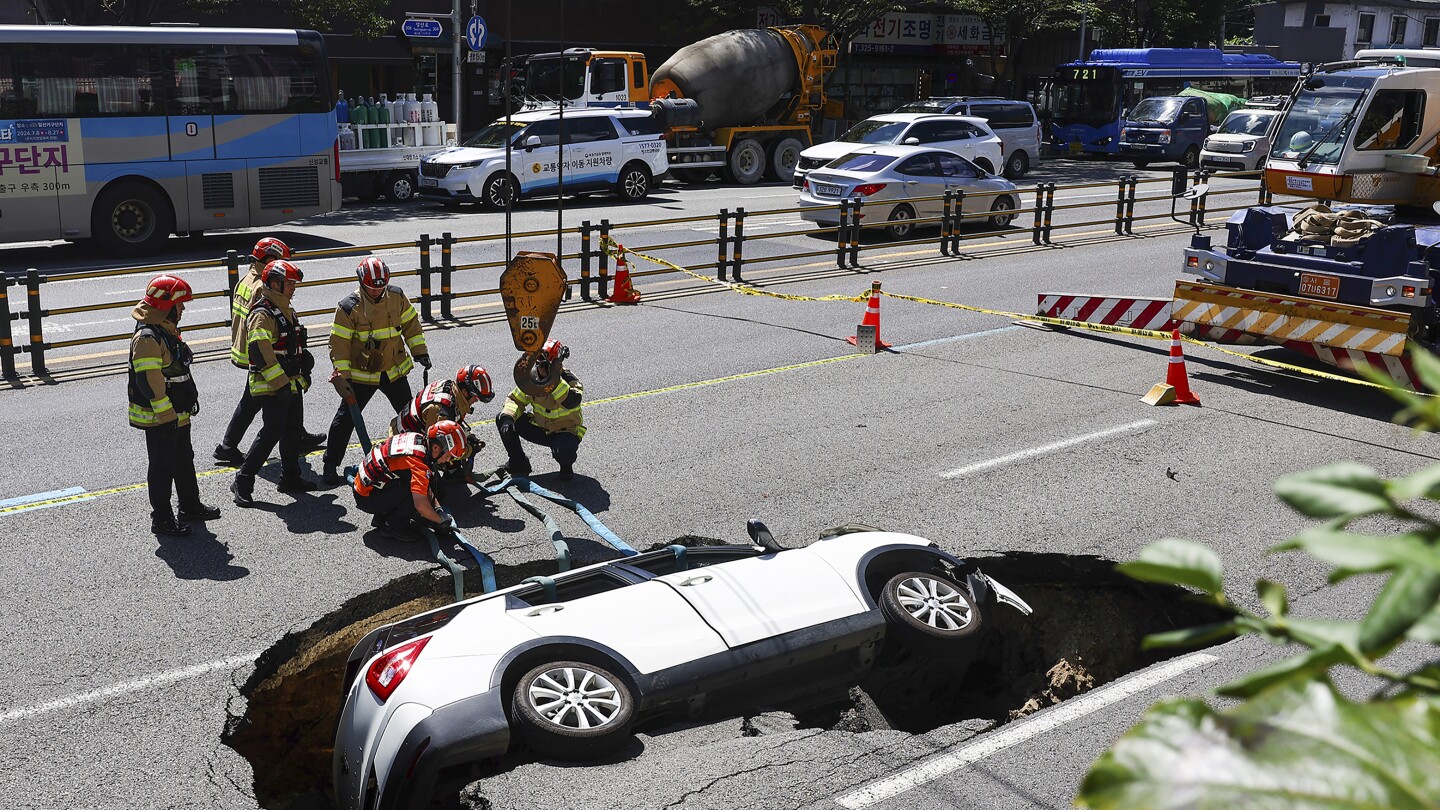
(166,291)
(555,350)
(282,270)
(449,437)
(374,274)
(476,380)
(269,249)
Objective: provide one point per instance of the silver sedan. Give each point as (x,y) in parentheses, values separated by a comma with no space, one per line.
(900,184)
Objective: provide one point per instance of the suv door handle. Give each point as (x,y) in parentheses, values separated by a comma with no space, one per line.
(700,580)
(544,609)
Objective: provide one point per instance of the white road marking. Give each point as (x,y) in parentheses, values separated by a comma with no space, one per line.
(141,684)
(954,338)
(1044,449)
(1015,733)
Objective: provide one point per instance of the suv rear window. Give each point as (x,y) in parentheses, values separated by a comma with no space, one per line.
(858,162)
(1004,116)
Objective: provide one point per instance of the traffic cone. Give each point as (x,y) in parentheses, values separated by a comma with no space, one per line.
(1176,388)
(872,318)
(624,292)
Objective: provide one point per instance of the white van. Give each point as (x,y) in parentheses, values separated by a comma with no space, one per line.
(1014,121)
(619,150)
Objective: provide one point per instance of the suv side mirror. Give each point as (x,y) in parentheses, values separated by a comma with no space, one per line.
(532,142)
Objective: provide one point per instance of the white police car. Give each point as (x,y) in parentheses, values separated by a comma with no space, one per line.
(620,150)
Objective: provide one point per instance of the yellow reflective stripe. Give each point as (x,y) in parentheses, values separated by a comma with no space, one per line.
(418,340)
(270,373)
(367,377)
(408,315)
(540,410)
(520,397)
(562,389)
(161,405)
(342,331)
(383,333)
(261,334)
(342,365)
(146,364)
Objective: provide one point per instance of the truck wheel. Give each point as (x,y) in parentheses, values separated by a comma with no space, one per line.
(498,190)
(1017,165)
(634,182)
(131,219)
(1191,158)
(784,155)
(746,163)
(400,186)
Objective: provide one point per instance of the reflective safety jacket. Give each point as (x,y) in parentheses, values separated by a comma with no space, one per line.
(401,460)
(371,338)
(159,360)
(275,343)
(240,302)
(440,400)
(556,412)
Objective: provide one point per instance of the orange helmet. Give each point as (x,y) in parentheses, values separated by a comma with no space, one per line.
(374,274)
(166,291)
(449,437)
(475,380)
(282,270)
(269,249)
(555,350)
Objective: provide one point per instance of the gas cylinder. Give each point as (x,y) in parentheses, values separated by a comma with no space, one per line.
(342,110)
(412,109)
(429,110)
(347,137)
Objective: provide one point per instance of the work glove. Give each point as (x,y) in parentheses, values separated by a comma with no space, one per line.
(424,360)
(342,386)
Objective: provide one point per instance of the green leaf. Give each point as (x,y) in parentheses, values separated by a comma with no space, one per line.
(1299,746)
(1426,365)
(1313,664)
(1421,484)
(1410,594)
(1272,596)
(1190,636)
(1317,633)
(1365,552)
(1428,628)
(1339,490)
(1177,562)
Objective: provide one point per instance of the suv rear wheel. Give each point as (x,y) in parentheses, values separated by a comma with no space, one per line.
(572,710)
(929,613)
(1017,165)
(634,182)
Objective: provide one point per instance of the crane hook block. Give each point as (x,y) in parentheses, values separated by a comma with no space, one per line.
(531,289)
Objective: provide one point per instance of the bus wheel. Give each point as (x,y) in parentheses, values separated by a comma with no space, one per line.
(131,219)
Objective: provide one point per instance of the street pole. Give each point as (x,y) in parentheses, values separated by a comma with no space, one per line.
(1082,37)
(456,69)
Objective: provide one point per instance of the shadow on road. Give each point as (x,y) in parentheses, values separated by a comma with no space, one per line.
(199,556)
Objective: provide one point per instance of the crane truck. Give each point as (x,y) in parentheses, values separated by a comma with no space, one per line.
(742,102)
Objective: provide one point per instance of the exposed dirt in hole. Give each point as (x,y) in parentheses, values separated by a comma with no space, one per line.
(1086,631)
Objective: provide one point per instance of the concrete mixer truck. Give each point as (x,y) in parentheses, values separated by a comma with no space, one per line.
(741,103)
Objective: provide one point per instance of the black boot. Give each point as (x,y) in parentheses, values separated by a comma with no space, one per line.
(199,511)
(229,456)
(312,441)
(518,467)
(169,526)
(243,487)
(296,483)
(332,477)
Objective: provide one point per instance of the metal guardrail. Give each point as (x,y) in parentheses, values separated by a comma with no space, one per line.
(437,280)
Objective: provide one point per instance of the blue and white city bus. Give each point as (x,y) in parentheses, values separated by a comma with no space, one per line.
(1090,97)
(127,135)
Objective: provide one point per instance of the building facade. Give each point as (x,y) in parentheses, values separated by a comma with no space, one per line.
(1317,31)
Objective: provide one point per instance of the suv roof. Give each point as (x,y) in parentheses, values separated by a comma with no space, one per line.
(911,117)
(530,116)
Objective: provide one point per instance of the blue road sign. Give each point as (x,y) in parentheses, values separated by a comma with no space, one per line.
(476,32)
(420,28)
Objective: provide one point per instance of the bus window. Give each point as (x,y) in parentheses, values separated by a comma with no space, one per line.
(257,79)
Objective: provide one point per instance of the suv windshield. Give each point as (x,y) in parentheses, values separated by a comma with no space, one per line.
(1156,110)
(493,135)
(1320,118)
(873,131)
(1246,123)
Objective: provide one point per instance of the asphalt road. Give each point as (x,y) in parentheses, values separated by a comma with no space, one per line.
(125,654)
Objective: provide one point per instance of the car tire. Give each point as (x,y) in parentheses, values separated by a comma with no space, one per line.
(400,186)
(551,702)
(985,164)
(497,188)
(1005,204)
(746,162)
(1140,164)
(784,157)
(634,182)
(929,614)
(1191,158)
(903,224)
(1017,166)
(690,175)
(131,218)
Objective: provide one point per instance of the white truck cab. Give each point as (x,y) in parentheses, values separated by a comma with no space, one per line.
(619,150)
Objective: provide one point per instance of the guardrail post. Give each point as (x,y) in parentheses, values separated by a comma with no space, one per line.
(855,217)
(1130,204)
(447,264)
(946,223)
(841,226)
(1265,196)
(585,260)
(737,246)
(427,313)
(36,318)
(1037,230)
(722,245)
(1201,177)
(232,272)
(1049,209)
(957,222)
(1120,206)
(604,281)
(7,340)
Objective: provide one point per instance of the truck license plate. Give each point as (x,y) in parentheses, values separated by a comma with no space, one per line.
(1320,286)
(429,181)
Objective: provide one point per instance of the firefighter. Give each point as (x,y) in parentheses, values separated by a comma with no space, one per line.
(279,375)
(375,334)
(394,482)
(553,420)
(450,400)
(228,451)
(163,397)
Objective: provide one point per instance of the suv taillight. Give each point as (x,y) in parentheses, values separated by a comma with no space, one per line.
(389,670)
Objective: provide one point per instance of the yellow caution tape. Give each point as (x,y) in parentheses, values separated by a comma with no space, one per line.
(610,246)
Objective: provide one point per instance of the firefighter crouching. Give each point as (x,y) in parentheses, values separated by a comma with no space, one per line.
(228,451)
(552,420)
(375,333)
(163,397)
(450,401)
(394,482)
(279,374)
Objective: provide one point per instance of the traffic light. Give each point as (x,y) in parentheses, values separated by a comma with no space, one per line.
(922,85)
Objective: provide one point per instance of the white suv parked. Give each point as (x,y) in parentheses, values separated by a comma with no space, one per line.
(1242,142)
(605,150)
(970,138)
(1012,120)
